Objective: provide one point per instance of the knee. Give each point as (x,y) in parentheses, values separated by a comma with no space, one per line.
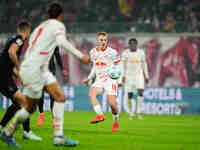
(91,95)
(62,98)
(31,107)
(59,97)
(112,105)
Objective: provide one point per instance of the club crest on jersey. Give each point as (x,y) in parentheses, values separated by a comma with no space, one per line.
(100,63)
(19,42)
(134,60)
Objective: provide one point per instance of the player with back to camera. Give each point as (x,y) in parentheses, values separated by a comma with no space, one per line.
(52,69)
(36,76)
(134,75)
(103,57)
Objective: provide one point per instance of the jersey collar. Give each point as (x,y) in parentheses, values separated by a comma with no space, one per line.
(102,49)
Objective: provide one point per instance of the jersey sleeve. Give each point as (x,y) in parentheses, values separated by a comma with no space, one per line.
(144,65)
(92,73)
(123,64)
(92,55)
(60,36)
(116,57)
(59,29)
(124,56)
(117,61)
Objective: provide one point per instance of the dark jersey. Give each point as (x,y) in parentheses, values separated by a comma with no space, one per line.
(6,63)
(8,86)
(52,66)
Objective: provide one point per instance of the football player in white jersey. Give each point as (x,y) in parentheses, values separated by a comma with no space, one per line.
(134,75)
(36,76)
(103,57)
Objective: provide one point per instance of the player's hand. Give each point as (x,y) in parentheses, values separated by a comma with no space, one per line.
(85,59)
(65,73)
(15,71)
(86,81)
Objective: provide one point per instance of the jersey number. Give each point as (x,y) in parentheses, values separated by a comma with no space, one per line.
(37,36)
(114,87)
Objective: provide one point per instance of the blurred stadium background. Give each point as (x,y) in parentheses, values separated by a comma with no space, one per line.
(167,30)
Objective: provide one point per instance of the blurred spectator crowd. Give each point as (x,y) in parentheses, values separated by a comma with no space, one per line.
(109,15)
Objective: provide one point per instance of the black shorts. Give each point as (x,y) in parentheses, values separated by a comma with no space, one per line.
(7,86)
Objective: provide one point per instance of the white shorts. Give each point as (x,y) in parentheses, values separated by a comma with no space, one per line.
(34,81)
(134,84)
(109,87)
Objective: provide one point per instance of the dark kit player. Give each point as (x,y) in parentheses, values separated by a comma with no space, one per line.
(10,65)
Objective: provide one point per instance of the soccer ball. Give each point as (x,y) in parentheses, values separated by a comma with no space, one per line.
(114,72)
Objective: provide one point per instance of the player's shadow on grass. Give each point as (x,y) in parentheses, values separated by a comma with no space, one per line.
(99,131)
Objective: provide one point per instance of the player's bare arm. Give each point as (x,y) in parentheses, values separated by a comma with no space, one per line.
(16,76)
(65,73)
(145,70)
(145,74)
(86,81)
(16,73)
(13,55)
(85,59)
(123,70)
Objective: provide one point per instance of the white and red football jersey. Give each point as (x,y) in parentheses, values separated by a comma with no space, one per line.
(102,61)
(42,43)
(134,64)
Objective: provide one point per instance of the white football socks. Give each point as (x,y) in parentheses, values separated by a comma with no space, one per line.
(116,117)
(139,104)
(19,117)
(97,109)
(58,113)
(130,104)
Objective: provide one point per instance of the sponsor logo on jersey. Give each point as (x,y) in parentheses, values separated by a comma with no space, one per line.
(134,60)
(100,63)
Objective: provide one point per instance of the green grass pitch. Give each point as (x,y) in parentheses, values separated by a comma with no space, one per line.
(156,132)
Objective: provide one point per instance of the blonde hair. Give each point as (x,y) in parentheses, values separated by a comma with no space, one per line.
(102,33)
